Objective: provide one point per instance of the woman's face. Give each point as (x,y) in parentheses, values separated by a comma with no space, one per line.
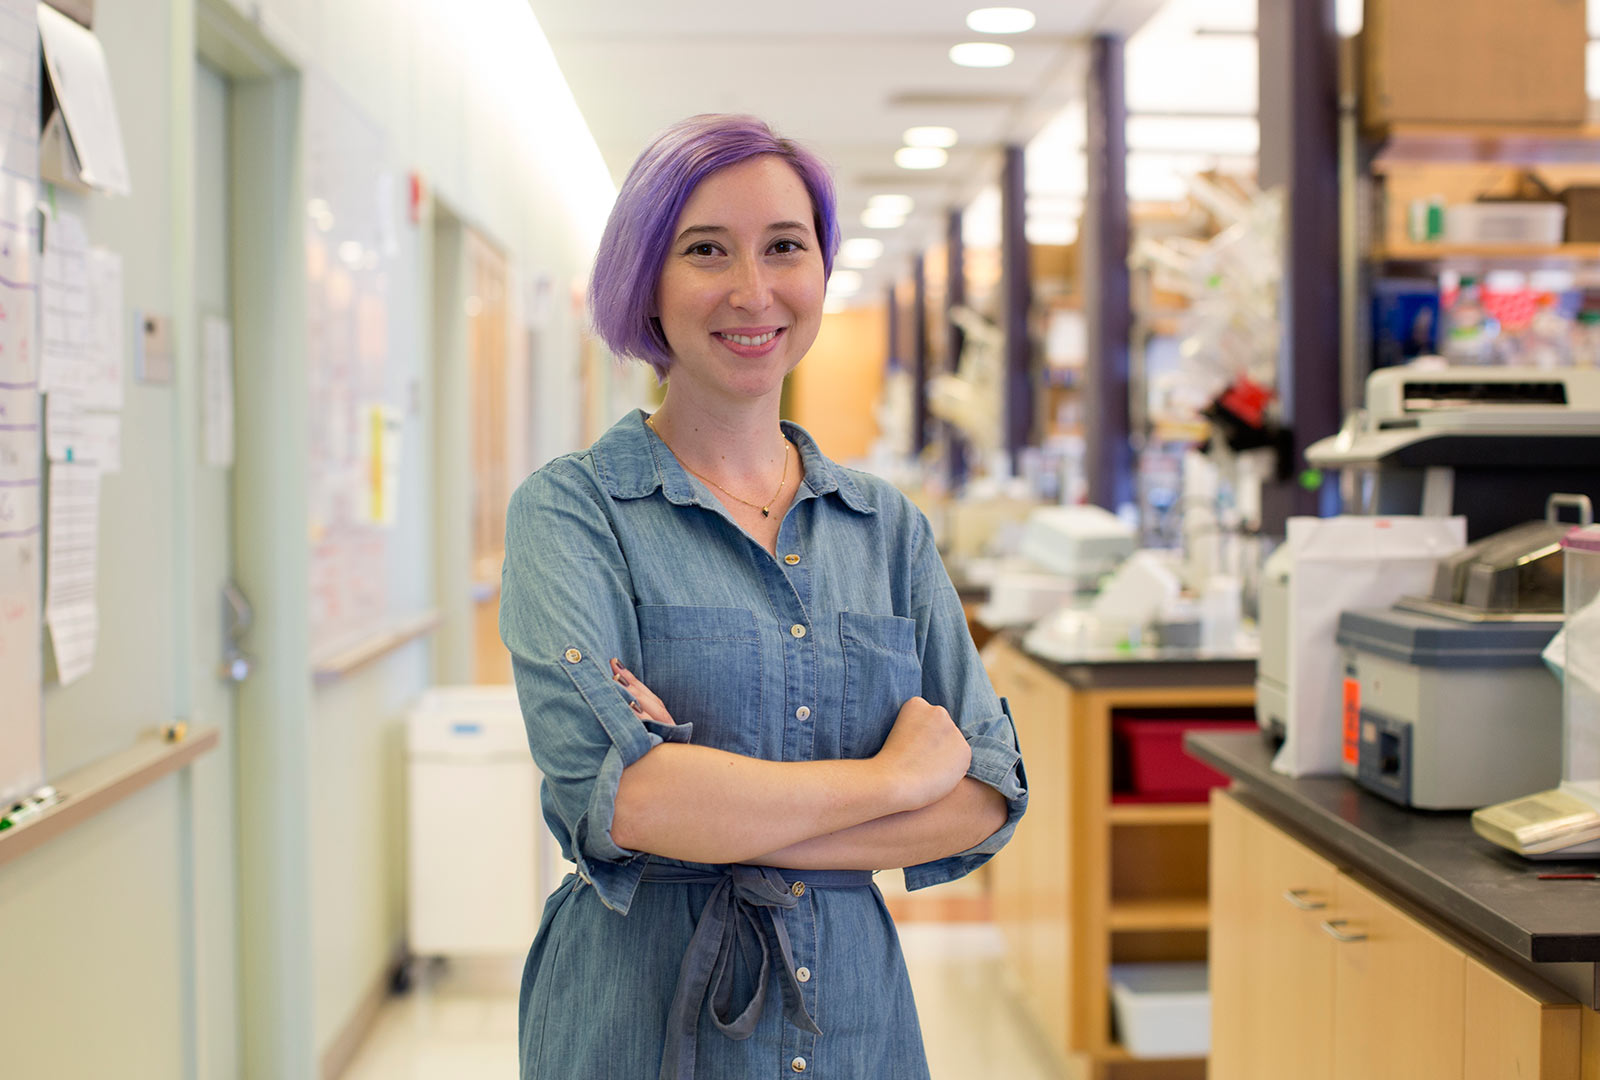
(740,296)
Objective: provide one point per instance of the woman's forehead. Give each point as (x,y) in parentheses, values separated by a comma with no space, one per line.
(761,193)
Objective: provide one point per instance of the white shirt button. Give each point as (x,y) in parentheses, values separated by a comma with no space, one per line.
(802,712)
(573,656)
(797,630)
(803,974)
(791,559)
(798,1064)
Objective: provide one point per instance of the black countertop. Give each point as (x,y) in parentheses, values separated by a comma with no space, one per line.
(1147,667)
(1432,858)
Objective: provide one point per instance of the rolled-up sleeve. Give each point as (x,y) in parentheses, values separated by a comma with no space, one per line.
(566,609)
(953,676)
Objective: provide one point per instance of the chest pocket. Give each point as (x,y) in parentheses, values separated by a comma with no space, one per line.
(705,664)
(881,672)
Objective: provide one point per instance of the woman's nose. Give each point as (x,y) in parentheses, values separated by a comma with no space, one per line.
(752,286)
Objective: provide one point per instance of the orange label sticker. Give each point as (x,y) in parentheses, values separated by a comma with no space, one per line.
(1352,721)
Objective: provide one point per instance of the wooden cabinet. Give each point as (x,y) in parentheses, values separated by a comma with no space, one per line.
(1086,882)
(1316,975)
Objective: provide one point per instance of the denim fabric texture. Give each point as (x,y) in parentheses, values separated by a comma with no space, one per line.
(618,551)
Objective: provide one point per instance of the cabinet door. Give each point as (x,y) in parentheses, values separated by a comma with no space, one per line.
(1399,993)
(1271,964)
(1032,898)
(1517,1029)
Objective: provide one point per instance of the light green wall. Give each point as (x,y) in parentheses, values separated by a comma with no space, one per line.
(231,920)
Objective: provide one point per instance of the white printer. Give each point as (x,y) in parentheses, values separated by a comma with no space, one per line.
(1488,443)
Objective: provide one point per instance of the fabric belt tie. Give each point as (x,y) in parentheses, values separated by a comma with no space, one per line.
(743,899)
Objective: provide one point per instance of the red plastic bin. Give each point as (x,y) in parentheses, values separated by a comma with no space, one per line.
(1150,763)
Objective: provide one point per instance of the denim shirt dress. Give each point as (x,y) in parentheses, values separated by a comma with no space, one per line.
(618,551)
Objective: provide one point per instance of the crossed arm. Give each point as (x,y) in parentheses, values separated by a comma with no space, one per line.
(910,803)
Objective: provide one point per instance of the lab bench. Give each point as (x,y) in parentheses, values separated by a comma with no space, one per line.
(1352,937)
(1090,880)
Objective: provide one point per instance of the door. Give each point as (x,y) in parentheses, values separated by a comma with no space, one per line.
(1399,993)
(212,492)
(488,371)
(1271,963)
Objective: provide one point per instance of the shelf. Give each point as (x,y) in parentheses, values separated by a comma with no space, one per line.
(1486,144)
(1160,813)
(104,783)
(1155,916)
(1563,254)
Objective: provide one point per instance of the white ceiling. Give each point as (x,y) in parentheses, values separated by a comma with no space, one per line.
(847,77)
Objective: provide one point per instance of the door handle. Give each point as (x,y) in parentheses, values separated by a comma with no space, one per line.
(1297,897)
(1331,928)
(237,615)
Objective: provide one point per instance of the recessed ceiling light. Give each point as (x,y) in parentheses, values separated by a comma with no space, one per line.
(982,54)
(1000,20)
(892,204)
(860,252)
(920,157)
(941,137)
(875,218)
(844,283)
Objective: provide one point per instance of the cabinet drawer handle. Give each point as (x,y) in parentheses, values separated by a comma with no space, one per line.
(1297,897)
(1331,928)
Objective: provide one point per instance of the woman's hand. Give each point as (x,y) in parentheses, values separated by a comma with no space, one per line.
(646,705)
(925,754)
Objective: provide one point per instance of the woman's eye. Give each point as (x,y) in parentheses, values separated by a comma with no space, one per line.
(702,249)
(787,247)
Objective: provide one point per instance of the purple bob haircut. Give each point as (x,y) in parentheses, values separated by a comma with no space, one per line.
(638,234)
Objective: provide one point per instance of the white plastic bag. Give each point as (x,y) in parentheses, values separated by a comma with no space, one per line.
(1339,564)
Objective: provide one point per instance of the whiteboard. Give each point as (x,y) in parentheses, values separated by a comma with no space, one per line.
(21,449)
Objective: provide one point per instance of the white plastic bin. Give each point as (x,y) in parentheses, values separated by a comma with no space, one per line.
(1162,1010)
(1505,223)
(480,858)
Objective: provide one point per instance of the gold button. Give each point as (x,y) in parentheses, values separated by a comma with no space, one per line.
(798,888)
(573,656)
(797,630)
(798,1064)
(791,559)
(803,974)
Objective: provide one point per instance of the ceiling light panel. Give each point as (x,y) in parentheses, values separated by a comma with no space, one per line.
(874,218)
(860,251)
(1000,20)
(921,157)
(982,54)
(941,137)
(900,205)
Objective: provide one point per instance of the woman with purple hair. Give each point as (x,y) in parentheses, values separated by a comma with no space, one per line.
(808,707)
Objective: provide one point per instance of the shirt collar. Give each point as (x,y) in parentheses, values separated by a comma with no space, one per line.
(631,462)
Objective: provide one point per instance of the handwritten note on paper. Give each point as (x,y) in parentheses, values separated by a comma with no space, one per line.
(76,435)
(65,347)
(21,720)
(70,609)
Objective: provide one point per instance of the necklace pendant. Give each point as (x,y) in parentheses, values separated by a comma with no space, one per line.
(765,512)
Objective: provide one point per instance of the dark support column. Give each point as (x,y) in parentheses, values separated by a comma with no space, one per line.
(955,294)
(1108,318)
(919,356)
(1016,290)
(1300,151)
(896,361)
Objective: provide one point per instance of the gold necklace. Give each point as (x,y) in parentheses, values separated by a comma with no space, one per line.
(766,511)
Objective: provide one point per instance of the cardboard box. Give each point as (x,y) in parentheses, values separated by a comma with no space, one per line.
(1474,62)
(1583,214)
